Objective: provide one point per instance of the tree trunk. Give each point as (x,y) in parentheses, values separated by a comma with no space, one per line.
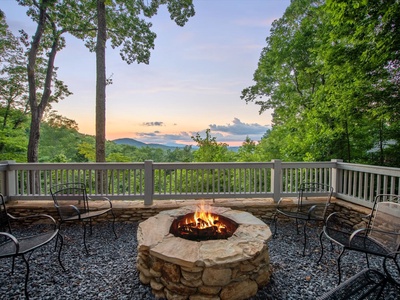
(101,82)
(33,145)
(101,91)
(38,108)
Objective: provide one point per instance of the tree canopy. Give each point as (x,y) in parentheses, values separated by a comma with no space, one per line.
(330,72)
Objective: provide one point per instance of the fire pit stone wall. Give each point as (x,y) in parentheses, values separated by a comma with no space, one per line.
(176,268)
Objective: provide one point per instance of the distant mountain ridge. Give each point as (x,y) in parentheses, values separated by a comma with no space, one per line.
(136,143)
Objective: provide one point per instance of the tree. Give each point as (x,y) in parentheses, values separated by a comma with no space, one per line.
(247,152)
(13,90)
(121,21)
(125,29)
(101,82)
(288,80)
(363,49)
(53,19)
(210,150)
(330,72)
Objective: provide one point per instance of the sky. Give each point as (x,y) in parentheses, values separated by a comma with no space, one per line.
(192,83)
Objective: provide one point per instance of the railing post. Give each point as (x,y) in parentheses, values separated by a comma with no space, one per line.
(335,176)
(9,186)
(148,182)
(276,178)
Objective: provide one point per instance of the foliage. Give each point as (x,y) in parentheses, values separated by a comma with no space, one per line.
(210,150)
(123,23)
(13,101)
(330,72)
(43,85)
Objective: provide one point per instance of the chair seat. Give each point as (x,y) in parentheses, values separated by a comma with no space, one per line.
(88,215)
(358,243)
(26,244)
(366,284)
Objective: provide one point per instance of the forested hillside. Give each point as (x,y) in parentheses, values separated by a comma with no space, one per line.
(330,71)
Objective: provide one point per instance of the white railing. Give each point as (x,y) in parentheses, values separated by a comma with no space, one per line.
(361,183)
(151,181)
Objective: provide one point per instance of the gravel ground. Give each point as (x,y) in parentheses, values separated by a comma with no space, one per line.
(110,273)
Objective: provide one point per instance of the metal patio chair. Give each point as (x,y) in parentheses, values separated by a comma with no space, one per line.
(306,209)
(380,237)
(72,204)
(369,283)
(12,246)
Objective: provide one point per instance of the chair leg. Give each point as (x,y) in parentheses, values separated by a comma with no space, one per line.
(366,256)
(26,277)
(84,237)
(59,229)
(113,224)
(13,265)
(59,236)
(338,264)
(305,237)
(275,222)
(297,226)
(322,246)
(91,228)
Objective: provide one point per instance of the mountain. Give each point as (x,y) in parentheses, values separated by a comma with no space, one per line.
(132,142)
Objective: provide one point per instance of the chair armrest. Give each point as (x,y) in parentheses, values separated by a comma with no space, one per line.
(335,222)
(329,219)
(311,210)
(104,199)
(357,233)
(366,232)
(279,202)
(68,210)
(13,239)
(38,216)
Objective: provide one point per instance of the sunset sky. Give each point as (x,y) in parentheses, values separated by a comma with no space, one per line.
(193,82)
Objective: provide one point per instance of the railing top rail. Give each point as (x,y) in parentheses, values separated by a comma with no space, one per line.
(326,164)
(212,165)
(369,169)
(73,166)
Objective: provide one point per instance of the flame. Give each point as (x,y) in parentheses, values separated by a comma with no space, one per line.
(204,218)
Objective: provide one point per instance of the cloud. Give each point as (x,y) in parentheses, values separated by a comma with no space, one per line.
(233,134)
(239,128)
(153,123)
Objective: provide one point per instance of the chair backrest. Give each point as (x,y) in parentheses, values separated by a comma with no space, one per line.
(385,222)
(315,189)
(67,194)
(379,199)
(4,219)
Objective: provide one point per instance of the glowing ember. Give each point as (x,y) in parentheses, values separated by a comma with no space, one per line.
(203,225)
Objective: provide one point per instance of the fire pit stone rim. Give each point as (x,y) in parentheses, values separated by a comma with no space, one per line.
(251,230)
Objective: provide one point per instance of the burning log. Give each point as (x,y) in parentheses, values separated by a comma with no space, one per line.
(199,229)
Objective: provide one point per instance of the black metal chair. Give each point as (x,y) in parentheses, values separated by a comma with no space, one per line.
(12,246)
(306,208)
(369,283)
(72,204)
(380,237)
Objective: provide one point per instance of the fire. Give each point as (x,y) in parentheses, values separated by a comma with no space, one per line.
(205,219)
(203,225)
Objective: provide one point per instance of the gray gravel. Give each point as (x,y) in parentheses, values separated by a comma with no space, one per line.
(110,273)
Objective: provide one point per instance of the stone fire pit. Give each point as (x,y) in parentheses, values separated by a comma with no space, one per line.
(176,268)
